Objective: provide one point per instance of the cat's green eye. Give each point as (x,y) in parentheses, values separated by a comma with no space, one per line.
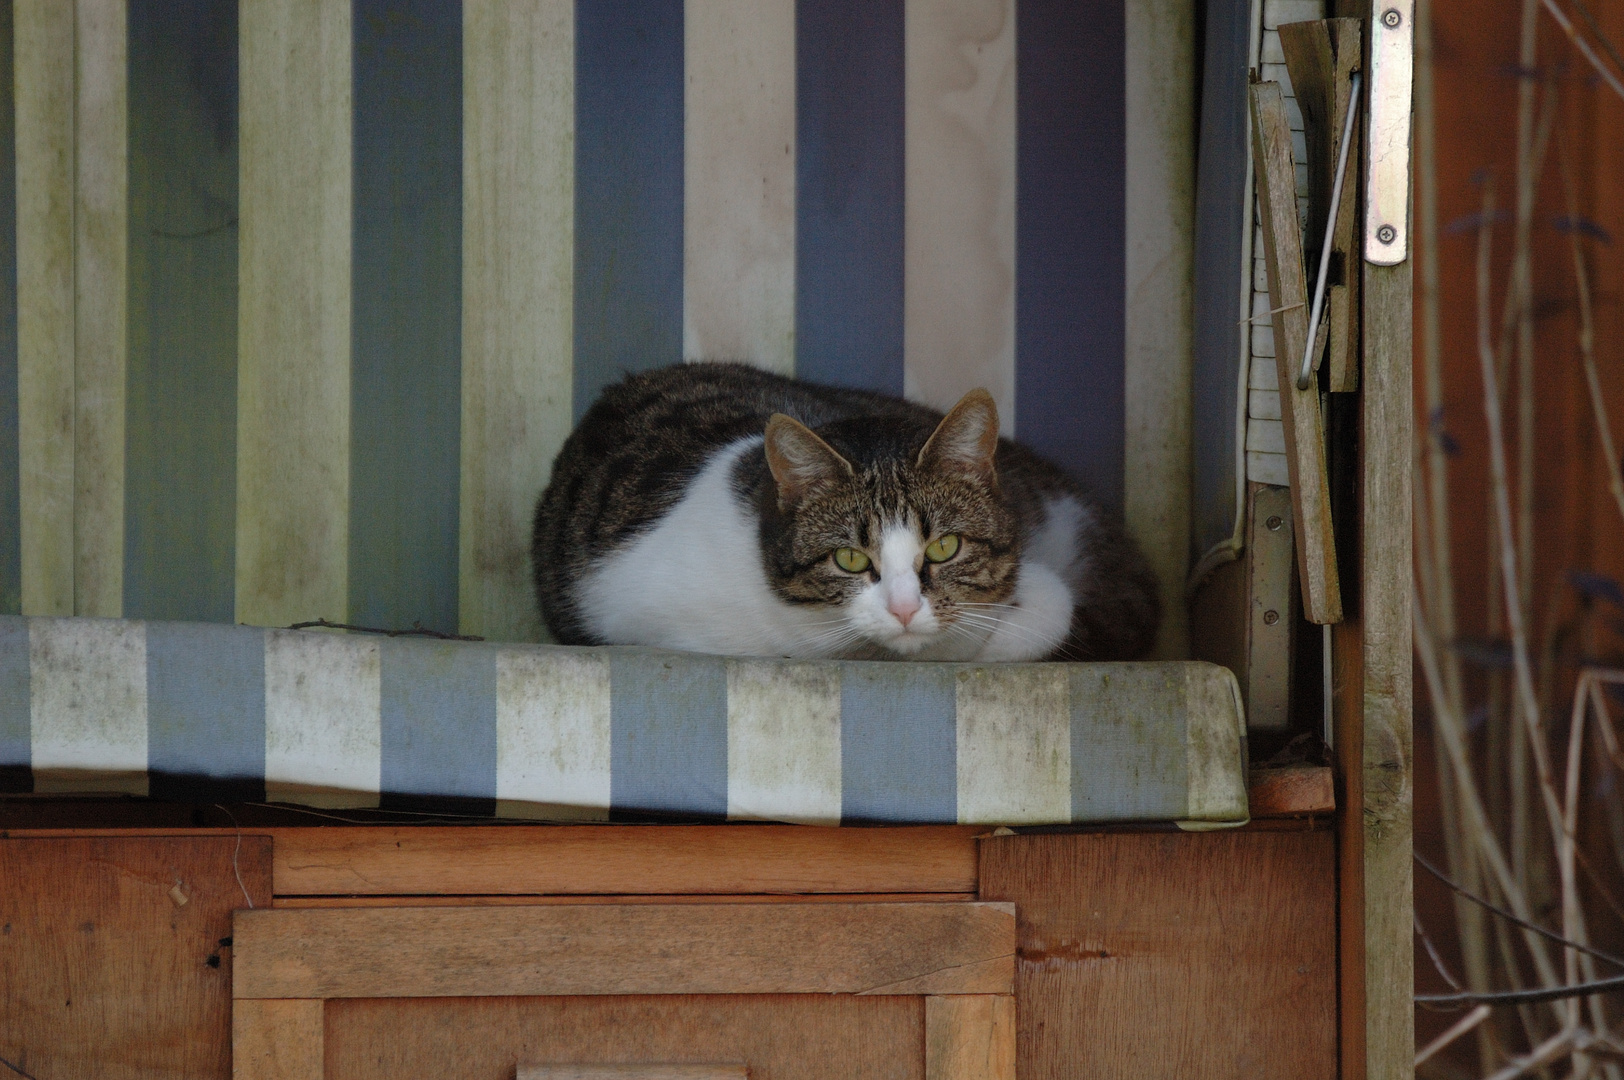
(942,548)
(851,560)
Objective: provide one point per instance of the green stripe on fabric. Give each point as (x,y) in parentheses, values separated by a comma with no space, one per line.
(181,402)
(11,568)
(406,314)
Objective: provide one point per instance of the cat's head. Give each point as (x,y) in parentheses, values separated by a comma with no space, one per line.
(899,537)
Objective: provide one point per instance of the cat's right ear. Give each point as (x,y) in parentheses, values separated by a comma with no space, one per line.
(799,459)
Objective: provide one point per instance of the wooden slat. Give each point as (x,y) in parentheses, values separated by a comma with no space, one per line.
(518,266)
(1198,956)
(633,1072)
(102,973)
(970,1037)
(739,183)
(277,1040)
(1291,791)
(625,949)
(1299,409)
(43,47)
(1385,765)
(807,1037)
(101,233)
(1321,56)
(293,374)
(620,859)
(959,209)
(500,901)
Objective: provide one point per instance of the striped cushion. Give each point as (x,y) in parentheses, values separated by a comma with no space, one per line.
(192,711)
(336,278)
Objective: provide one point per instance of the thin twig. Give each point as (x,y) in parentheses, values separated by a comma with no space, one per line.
(417,630)
(1511,917)
(1432,951)
(1459,1028)
(1523,997)
(1584,47)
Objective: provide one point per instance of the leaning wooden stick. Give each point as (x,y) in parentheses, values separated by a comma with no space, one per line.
(1299,409)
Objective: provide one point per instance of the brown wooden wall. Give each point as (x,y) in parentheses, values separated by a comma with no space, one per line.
(1577,525)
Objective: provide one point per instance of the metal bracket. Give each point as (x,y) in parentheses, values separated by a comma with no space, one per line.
(1387,181)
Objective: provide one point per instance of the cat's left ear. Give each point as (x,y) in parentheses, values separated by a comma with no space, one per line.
(966,441)
(799,459)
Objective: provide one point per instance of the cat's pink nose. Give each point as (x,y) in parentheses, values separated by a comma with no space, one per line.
(904,608)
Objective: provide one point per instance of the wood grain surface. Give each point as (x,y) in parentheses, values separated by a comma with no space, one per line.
(1299,409)
(624,859)
(633,1072)
(779,1038)
(1321,56)
(1198,956)
(102,972)
(1291,791)
(1386,763)
(970,1037)
(277,1040)
(625,949)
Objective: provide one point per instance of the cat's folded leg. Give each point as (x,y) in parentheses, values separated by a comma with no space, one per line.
(1033,623)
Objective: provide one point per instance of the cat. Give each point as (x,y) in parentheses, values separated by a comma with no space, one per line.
(719,508)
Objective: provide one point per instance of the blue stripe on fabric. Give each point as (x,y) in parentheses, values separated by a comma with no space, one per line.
(205,712)
(11,561)
(667,735)
(16,722)
(406,313)
(898,743)
(180,487)
(849,112)
(1222,282)
(628,190)
(438,747)
(1129,760)
(1071,237)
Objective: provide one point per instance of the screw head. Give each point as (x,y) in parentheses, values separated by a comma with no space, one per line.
(1274,523)
(1387,234)
(1391,18)
(1271,617)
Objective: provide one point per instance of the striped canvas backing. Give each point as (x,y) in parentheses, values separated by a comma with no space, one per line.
(194,711)
(307,293)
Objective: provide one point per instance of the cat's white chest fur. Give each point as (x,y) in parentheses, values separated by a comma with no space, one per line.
(696,582)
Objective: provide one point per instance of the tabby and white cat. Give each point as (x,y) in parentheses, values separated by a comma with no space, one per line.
(721,509)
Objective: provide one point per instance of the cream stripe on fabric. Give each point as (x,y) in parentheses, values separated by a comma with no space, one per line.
(1014,744)
(518,226)
(783,742)
(959,223)
(88,705)
(552,734)
(739,182)
(43,49)
(1160,218)
(323,726)
(1214,742)
(101,237)
(293,375)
